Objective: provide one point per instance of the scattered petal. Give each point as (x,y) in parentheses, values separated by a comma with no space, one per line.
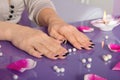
(114,47)
(117,66)
(102,44)
(93,77)
(85,29)
(22,65)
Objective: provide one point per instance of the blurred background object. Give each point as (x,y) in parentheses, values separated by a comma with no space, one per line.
(78,10)
(116,8)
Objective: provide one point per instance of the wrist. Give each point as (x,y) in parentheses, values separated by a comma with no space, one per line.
(14,31)
(48,16)
(7,34)
(55,20)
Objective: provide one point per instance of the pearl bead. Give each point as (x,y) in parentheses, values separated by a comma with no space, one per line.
(89,59)
(58,70)
(55,67)
(106,37)
(62,69)
(105,58)
(1,54)
(69,50)
(109,56)
(88,66)
(83,60)
(74,49)
(15,77)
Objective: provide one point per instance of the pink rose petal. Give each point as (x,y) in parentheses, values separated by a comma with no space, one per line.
(117,66)
(85,29)
(22,65)
(114,47)
(93,77)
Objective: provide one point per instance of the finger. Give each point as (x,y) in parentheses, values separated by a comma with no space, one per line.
(71,38)
(57,36)
(83,40)
(46,52)
(34,53)
(55,48)
(61,54)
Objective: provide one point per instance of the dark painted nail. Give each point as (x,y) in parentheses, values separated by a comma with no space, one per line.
(64,42)
(66,54)
(56,55)
(91,41)
(91,46)
(42,55)
(82,48)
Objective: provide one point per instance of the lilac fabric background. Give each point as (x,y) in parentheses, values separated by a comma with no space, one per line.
(116,8)
(75,70)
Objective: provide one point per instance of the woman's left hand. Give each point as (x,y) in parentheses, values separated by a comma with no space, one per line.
(63,31)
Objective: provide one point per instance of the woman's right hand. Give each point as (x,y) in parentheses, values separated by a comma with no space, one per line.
(37,43)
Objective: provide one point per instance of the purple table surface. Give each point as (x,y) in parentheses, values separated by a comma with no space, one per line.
(74,69)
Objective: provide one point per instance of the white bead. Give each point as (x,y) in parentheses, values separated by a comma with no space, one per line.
(15,77)
(62,69)
(55,67)
(89,59)
(74,49)
(105,58)
(0,46)
(1,54)
(106,37)
(83,60)
(69,50)
(109,56)
(88,66)
(58,70)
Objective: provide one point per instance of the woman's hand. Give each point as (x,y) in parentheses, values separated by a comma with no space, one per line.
(37,43)
(63,31)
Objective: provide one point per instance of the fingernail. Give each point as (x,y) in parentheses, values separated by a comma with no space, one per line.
(91,41)
(64,42)
(42,55)
(82,48)
(56,55)
(66,54)
(91,46)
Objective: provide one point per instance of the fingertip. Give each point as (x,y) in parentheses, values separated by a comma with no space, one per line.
(62,57)
(64,41)
(35,53)
(52,57)
(66,54)
(37,56)
(57,56)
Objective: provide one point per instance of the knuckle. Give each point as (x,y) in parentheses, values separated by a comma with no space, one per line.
(30,51)
(74,42)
